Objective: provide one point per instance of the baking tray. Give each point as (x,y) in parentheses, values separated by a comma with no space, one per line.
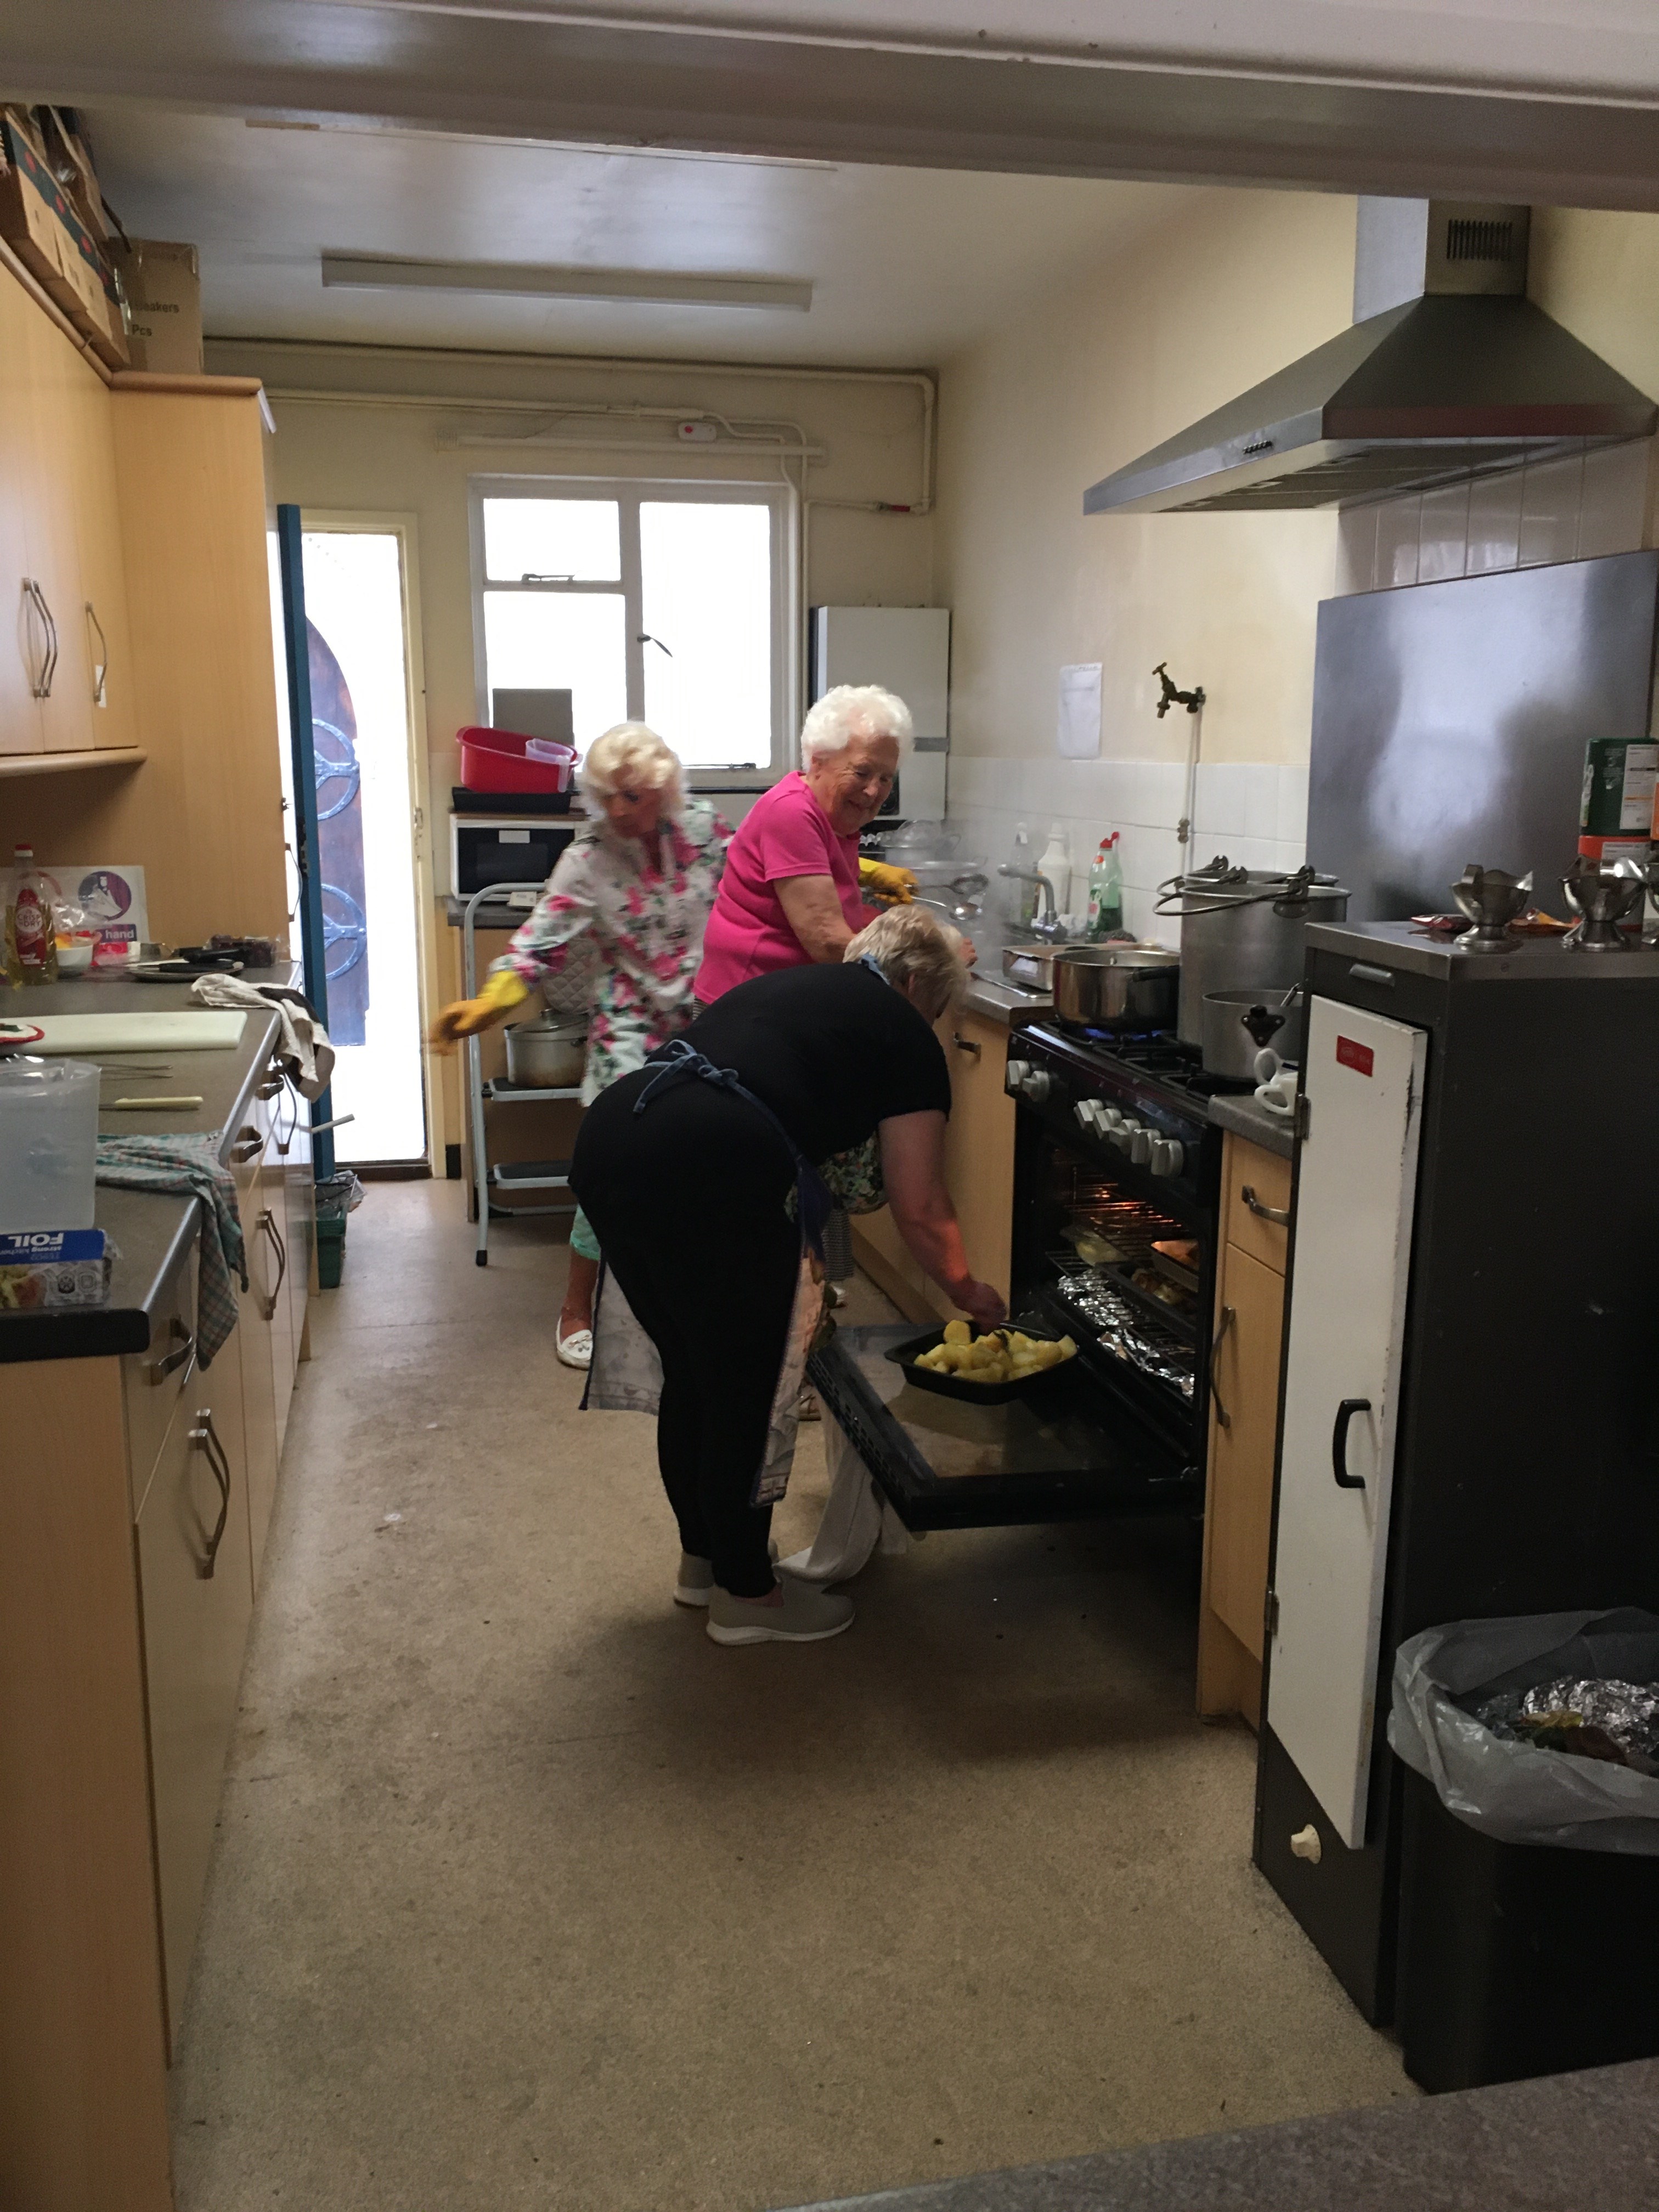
(905,1354)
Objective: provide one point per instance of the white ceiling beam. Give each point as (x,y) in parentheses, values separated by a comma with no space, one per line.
(842,100)
(380,272)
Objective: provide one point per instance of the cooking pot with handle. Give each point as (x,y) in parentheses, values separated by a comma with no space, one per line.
(1243,929)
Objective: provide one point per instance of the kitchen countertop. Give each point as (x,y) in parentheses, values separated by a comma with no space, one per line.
(1564,2144)
(1240,1113)
(150,1230)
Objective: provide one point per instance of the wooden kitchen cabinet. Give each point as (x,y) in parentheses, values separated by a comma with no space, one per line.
(99,614)
(196,1594)
(979,1172)
(21,642)
(1248,1348)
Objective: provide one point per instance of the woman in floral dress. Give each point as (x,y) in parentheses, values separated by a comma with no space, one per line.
(631,894)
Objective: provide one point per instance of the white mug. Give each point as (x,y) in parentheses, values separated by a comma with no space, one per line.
(1275,1083)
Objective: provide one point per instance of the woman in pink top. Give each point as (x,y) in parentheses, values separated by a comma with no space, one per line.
(790,893)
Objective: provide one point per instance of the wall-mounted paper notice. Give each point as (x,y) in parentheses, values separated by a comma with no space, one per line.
(1079,712)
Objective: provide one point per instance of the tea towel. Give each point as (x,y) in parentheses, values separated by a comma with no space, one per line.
(191,1167)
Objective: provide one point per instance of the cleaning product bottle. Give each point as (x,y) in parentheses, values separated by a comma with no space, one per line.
(1106,890)
(1056,865)
(31,931)
(1020,905)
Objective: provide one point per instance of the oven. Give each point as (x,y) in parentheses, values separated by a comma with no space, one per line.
(1109,1161)
(1117,1180)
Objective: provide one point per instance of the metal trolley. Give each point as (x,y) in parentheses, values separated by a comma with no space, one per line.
(506,1175)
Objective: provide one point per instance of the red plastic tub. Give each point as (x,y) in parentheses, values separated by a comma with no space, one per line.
(496,760)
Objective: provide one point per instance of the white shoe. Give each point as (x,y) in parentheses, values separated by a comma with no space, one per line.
(804,1615)
(575,1350)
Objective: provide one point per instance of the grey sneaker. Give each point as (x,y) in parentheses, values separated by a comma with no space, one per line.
(695,1584)
(806,1616)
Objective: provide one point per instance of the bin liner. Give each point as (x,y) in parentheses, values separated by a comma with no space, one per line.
(1516,1792)
(338,1195)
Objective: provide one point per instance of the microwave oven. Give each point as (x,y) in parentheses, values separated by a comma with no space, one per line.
(486,849)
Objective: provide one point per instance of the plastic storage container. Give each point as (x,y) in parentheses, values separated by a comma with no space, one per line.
(48,1143)
(498,760)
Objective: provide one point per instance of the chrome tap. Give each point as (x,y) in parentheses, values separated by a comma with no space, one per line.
(1048,928)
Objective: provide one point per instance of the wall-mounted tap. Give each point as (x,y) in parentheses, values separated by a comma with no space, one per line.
(1192,701)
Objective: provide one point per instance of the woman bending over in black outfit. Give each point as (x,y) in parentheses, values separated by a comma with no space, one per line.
(688,1196)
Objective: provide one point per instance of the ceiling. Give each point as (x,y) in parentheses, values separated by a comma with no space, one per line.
(907,266)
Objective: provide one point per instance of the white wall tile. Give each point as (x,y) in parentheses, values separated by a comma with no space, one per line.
(1444,533)
(1293,822)
(1290,853)
(1613,515)
(1550,494)
(1260,799)
(1399,529)
(1356,549)
(1494,521)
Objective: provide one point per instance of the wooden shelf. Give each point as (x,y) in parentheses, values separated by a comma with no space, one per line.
(59,763)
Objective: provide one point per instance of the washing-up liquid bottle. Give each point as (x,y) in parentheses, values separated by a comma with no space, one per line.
(31,930)
(1106,890)
(1020,904)
(1056,865)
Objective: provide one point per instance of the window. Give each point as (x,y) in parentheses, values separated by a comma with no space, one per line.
(661,603)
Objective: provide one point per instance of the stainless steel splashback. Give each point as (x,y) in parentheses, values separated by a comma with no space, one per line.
(1450,724)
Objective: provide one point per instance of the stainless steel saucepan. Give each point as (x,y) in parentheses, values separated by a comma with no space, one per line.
(1116,987)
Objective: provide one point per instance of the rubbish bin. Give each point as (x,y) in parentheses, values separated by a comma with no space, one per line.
(1530,1882)
(337,1196)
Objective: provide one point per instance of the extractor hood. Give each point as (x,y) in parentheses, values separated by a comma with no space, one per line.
(1448,371)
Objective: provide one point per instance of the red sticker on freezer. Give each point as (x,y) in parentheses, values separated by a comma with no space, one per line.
(1359,1057)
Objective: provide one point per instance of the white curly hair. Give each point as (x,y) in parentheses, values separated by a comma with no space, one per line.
(848,712)
(631,756)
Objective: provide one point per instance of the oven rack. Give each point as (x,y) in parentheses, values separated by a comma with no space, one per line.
(1125,1323)
(1118,1276)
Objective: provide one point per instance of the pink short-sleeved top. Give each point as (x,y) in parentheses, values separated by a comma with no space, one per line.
(785,833)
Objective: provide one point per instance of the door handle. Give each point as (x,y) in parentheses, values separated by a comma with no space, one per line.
(1228,1317)
(965,1044)
(41,685)
(1281,1214)
(156,1371)
(1345,1413)
(100,660)
(205,1438)
(248,1147)
(268,1222)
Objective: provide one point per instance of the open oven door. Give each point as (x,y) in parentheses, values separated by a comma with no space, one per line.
(1067,1453)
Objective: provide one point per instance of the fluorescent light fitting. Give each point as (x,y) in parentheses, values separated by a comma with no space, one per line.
(641,287)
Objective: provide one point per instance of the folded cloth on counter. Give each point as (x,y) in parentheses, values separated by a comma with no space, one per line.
(856,1518)
(191,1167)
(305,1048)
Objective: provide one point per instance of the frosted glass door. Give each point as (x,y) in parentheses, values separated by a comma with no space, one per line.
(1356,1193)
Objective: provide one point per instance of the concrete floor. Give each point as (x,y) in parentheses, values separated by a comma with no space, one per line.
(528,1894)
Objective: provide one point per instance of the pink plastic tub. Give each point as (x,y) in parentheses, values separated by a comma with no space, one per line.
(497,760)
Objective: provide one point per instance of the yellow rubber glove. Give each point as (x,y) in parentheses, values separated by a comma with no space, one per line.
(897,884)
(502,991)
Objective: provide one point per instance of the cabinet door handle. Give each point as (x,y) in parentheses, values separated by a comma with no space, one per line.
(965,1044)
(1228,1317)
(205,1438)
(268,1223)
(1281,1214)
(1345,1413)
(271,1088)
(100,660)
(248,1147)
(41,685)
(156,1371)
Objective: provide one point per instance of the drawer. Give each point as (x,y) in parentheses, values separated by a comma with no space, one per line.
(153,1382)
(1268,1179)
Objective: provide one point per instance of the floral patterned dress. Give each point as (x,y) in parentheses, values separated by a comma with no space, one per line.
(642,930)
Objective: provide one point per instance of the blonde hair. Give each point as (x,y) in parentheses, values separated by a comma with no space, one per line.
(852,711)
(911,945)
(631,755)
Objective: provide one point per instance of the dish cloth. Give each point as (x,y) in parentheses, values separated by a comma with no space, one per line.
(191,1167)
(305,1048)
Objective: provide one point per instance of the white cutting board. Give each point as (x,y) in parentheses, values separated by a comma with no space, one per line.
(212,1030)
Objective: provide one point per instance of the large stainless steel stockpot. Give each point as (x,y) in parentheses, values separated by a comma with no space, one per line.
(1243,929)
(1115,986)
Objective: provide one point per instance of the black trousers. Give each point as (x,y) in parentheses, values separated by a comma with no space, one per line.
(687,1200)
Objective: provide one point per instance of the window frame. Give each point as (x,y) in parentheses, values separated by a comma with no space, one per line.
(629,493)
